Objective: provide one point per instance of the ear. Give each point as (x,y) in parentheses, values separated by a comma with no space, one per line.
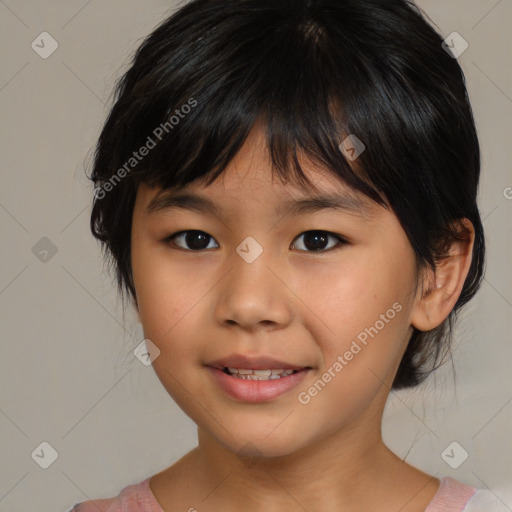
(438,292)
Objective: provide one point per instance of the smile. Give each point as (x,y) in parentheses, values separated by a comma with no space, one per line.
(248,374)
(257,386)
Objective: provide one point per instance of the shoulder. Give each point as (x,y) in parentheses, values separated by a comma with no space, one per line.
(132,498)
(104,505)
(452,496)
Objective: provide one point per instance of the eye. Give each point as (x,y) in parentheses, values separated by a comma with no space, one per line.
(315,241)
(196,240)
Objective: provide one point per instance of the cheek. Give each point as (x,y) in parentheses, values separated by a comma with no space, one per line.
(364,321)
(361,350)
(167,297)
(352,297)
(169,303)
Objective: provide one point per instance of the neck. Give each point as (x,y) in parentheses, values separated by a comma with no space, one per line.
(335,473)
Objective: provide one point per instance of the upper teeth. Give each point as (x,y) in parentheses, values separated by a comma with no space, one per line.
(270,374)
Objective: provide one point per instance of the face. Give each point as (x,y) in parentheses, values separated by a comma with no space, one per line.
(264,282)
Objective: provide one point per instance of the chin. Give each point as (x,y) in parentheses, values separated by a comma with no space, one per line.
(257,445)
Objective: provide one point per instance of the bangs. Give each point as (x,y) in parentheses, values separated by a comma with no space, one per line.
(288,78)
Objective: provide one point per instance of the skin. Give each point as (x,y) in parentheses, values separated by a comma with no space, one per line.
(297,305)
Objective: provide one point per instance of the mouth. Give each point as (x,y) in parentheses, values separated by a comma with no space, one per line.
(256,379)
(265,374)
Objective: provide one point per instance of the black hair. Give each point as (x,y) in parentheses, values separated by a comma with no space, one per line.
(313,71)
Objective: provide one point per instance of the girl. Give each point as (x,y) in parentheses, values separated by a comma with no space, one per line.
(287,191)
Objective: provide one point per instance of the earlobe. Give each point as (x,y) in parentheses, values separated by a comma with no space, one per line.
(440,290)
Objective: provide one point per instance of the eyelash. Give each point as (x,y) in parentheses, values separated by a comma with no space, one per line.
(341,241)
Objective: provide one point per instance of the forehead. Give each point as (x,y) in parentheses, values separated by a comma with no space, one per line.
(250,181)
(282,203)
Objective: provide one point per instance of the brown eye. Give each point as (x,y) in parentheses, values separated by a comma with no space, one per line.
(191,240)
(315,241)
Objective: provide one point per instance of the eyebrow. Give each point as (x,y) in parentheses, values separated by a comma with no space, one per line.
(192,202)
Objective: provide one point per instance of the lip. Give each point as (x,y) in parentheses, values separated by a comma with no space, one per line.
(253,363)
(256,391)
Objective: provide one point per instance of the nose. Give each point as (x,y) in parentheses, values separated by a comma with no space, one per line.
(254,295)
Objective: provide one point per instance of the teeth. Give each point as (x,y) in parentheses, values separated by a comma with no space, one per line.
(263,373)
(270,374)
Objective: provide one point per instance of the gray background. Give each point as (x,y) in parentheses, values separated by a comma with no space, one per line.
(68,373)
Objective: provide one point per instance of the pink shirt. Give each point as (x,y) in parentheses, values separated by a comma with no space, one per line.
(452,496)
